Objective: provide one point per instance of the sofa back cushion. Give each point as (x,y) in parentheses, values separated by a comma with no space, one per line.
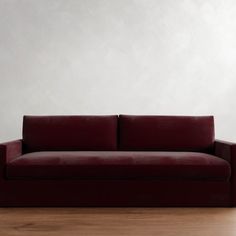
(58,133)
(166,133)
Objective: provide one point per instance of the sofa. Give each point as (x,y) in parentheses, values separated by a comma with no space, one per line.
(125,160)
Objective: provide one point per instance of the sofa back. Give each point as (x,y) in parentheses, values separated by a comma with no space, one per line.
(56,133)
(166,133)
(97,133)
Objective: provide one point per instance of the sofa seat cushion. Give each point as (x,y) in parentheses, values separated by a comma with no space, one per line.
(119,165)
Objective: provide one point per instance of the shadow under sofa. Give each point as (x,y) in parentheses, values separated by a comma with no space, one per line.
(123,160)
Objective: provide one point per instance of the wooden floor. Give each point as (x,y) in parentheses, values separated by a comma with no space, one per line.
(117,221)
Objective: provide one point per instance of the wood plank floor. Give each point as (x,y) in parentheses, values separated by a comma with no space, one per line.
(117,221)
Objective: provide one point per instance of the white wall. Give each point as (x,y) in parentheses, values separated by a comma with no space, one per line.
(117,56)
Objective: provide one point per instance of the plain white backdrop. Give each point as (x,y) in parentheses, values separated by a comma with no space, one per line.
(117,57)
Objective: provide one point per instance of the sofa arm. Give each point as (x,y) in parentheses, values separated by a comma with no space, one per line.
(9,151)
(227,151)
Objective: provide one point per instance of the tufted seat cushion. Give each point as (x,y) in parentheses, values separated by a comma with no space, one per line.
(119,165)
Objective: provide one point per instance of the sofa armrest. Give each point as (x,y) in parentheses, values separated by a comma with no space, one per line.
(9,151)
(227,151)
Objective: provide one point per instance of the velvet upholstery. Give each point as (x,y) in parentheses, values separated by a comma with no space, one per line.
(114,193)
(58,133)
(227,151)
(166,133)
(119,165)
(85,164)
(8,152)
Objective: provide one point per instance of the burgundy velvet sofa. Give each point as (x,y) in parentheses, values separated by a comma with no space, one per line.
(121,160)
